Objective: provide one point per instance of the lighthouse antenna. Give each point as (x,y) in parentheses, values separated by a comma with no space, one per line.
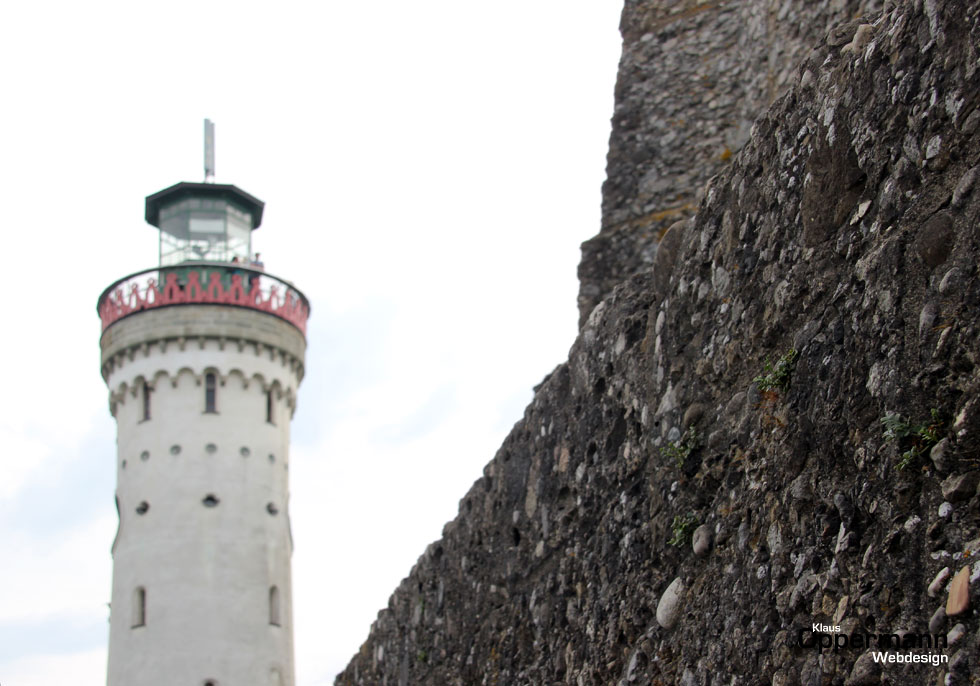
(208,150)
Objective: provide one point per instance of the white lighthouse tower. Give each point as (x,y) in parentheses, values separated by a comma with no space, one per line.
(203,355)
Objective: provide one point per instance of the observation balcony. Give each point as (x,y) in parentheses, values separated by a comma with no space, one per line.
(203,283)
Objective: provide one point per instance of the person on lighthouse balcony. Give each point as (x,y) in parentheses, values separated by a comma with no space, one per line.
(256,264)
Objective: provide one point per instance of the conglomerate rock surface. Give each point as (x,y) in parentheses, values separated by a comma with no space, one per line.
(693,76)
(673,510)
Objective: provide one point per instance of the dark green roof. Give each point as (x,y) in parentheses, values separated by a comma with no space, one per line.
(187,189)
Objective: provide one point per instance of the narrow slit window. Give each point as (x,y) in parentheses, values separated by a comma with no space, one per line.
(210,392)
(274,619)
(146,401)
(269,405)
(139,607)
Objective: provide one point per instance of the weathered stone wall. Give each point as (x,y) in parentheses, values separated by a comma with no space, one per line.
(844,239)
(693,77)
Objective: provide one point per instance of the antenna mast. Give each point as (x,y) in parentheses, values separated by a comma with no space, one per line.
(208,151)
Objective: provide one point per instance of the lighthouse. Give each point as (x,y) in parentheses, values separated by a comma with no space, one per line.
(203,355)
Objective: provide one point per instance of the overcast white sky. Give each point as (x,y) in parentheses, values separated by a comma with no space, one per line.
(429,170)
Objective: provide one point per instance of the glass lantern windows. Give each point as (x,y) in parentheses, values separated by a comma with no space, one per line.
(208,229)
(239,233)
(204,225)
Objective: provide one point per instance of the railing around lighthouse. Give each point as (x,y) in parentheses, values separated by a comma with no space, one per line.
(203,283)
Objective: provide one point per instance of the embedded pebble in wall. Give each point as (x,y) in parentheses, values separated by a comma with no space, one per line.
(940,455)
(701,540)
(670,605)
(861,38)
(866,671)
(926,317)
(939,582)
(959,593)
(961,487)
(964,187)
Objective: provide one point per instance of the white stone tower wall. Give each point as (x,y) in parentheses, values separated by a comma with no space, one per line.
(206,568)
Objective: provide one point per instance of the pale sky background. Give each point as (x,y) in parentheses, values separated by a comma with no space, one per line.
(429,170)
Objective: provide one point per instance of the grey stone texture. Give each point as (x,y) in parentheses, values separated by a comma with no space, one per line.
(693,76)
(790,312)
(178,324)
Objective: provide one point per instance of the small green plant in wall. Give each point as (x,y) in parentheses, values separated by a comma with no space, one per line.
(918,438)
(775,375)
(683,528)
(682,448)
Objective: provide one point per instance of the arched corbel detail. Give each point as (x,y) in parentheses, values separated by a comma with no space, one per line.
(119,395)
(175,379)
(276,388)
(136,385)
(156,378)
(239,373)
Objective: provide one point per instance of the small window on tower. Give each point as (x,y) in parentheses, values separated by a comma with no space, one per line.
(274,606)
(269,416)
(139,607)
(146,401)
(210,392)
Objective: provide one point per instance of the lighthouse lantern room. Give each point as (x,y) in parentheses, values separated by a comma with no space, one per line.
(204,221)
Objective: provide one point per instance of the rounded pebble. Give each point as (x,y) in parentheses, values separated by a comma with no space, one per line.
(959,593)
(701,540)
(955,634)
(669,607)
(937,584)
